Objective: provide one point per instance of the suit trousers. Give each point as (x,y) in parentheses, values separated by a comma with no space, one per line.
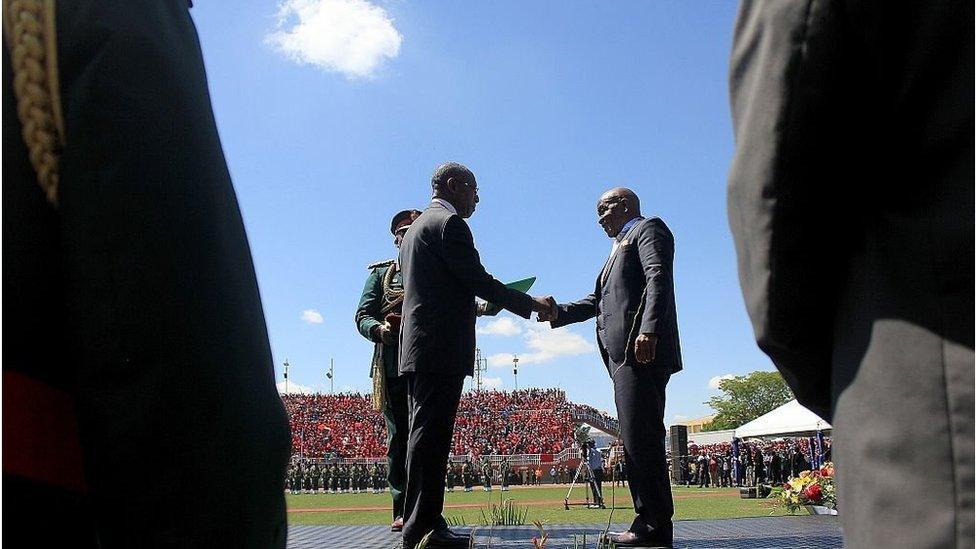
(903,375)
(639,396)
(397,415)
(433,400)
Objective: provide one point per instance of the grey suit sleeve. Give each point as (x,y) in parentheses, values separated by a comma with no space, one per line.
(656,251)
(784,95)
(464,261)
(577,311)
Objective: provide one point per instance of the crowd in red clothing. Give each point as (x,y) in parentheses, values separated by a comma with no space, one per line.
(344,425)
(530,421)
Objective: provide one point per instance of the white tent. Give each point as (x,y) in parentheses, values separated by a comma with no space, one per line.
(791,418)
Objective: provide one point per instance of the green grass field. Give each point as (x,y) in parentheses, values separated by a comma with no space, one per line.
(545,503)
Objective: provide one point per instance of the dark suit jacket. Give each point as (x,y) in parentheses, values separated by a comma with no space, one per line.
(636,296)
(442,274)
(135,299)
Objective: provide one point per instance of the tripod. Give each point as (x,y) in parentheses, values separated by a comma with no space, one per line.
(587,476)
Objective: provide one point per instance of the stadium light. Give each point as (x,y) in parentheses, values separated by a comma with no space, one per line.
(515,369)
(286,376)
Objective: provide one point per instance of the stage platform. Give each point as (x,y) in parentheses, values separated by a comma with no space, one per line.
(800,532)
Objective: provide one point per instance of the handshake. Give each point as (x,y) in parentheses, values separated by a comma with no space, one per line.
(546,308)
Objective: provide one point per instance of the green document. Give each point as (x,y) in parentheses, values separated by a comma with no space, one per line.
(521,285)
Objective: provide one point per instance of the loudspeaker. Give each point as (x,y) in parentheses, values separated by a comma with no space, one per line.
(679,441)
(679,453)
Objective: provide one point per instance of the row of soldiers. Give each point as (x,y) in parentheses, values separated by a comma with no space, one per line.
(467,474)
(303,477)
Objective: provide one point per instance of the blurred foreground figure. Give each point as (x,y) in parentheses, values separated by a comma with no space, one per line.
(851,203)
(139,406)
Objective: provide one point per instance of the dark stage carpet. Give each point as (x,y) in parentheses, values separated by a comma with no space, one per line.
(800,532)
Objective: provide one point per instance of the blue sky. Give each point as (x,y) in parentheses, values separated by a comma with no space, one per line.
(334,113)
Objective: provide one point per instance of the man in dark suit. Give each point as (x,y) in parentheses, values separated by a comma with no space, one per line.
(851,204)
(134,338)
(442,274)
(637,334)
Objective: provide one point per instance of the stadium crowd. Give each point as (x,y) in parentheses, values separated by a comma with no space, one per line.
(529,421)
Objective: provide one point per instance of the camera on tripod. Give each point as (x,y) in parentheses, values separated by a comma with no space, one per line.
(590,471)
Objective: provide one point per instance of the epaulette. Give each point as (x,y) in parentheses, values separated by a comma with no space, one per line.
(372,266)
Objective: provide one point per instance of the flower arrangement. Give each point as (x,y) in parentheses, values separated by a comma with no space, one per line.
(810,488)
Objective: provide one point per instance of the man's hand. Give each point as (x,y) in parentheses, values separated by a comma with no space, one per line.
(385,334)
(645,348)
(551,310)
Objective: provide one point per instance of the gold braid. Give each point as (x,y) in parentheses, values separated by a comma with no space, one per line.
(392,297)
(29,27)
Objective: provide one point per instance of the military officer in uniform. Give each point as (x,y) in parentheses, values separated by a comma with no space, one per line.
(334,473)
(377,319)
(324,479)
(451,475)
(314,473)
(486,474)
(466,474)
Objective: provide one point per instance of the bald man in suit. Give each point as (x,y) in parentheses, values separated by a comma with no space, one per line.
(637,333)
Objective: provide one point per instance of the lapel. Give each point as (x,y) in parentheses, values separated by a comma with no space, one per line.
(605,273)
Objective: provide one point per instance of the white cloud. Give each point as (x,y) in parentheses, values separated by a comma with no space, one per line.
(294,388)
(312,316)
(544,345)
(503,326)
(492,382)
(351,37)
(713,383)
(501,359)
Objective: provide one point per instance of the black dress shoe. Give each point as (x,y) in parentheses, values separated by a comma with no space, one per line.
(443,538)
(397,525)
(630,539)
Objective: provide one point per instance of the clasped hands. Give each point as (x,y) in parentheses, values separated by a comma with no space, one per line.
(546,308)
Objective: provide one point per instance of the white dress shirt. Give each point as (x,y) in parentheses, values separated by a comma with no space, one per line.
(450,207)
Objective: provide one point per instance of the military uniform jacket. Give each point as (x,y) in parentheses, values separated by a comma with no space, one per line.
(379,298)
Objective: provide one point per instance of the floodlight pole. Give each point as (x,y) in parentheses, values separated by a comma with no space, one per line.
(480,365)
(515,369)
(286,376)
(476,380)
(331,375)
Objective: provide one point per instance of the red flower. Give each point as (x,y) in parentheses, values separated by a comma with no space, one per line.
(813,493)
